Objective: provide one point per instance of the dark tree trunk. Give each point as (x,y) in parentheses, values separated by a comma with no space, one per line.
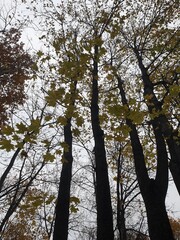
(63,200)
(121,222)
(62,207)
(9,167)
(158,222)
(153,191)
(171,137)
(103,197)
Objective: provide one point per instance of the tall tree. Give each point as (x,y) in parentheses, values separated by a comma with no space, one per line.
(103,197)
(63,200)
(154,43)
(153,190)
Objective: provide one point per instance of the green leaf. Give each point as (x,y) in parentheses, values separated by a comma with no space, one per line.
(46,143)
(48,118)
(6,144)
(7,130)
(62,120)
(79,121)
(40,53)
(65,146)
(50,199)
(21,128)
(30,139)
(59,152)
(37,203)
(48,157)
(74,199)
(73,209)
(35,124)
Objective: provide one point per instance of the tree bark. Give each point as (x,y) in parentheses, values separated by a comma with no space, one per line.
(62,207)
(103,198)
(63,200)
(153,190)
(158,222)
(9,167)
(121,222)
(172,140)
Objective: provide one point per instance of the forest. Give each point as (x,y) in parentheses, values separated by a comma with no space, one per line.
(89,119)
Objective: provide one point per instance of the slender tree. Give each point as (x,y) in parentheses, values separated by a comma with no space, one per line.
(153,190)
(103,197)
(63,200)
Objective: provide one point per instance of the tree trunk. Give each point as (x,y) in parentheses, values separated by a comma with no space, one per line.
(62,207)
(63,200)
(171,137)
(121,222)
(153,191)
(158,222)
(103,197)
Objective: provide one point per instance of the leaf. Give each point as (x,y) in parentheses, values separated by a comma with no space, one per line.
(74,199)
(62,120)
(50,199)
(30,139)
(46,143)
(15,68)
(21,128)
(79,121)
(6,144)
(40,53)
(37,203)
(48,157)
(136,116)
(35,125)
(174,90)
(58,152)
(65,146)
(73,209)
(76,132)
(7,130)
(48,118)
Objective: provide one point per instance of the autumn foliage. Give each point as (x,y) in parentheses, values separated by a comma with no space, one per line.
(15,66)
(175,225)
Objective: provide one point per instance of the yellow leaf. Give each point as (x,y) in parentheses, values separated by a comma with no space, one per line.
(48,157)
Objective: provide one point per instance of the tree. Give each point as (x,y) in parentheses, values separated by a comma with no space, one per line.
(159,70)
(175,224)
(25,223)
(127,192)
(153,190)
(15,68)
(63,200)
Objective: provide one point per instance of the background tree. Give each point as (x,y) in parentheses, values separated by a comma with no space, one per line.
(15,68)
(175,224)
